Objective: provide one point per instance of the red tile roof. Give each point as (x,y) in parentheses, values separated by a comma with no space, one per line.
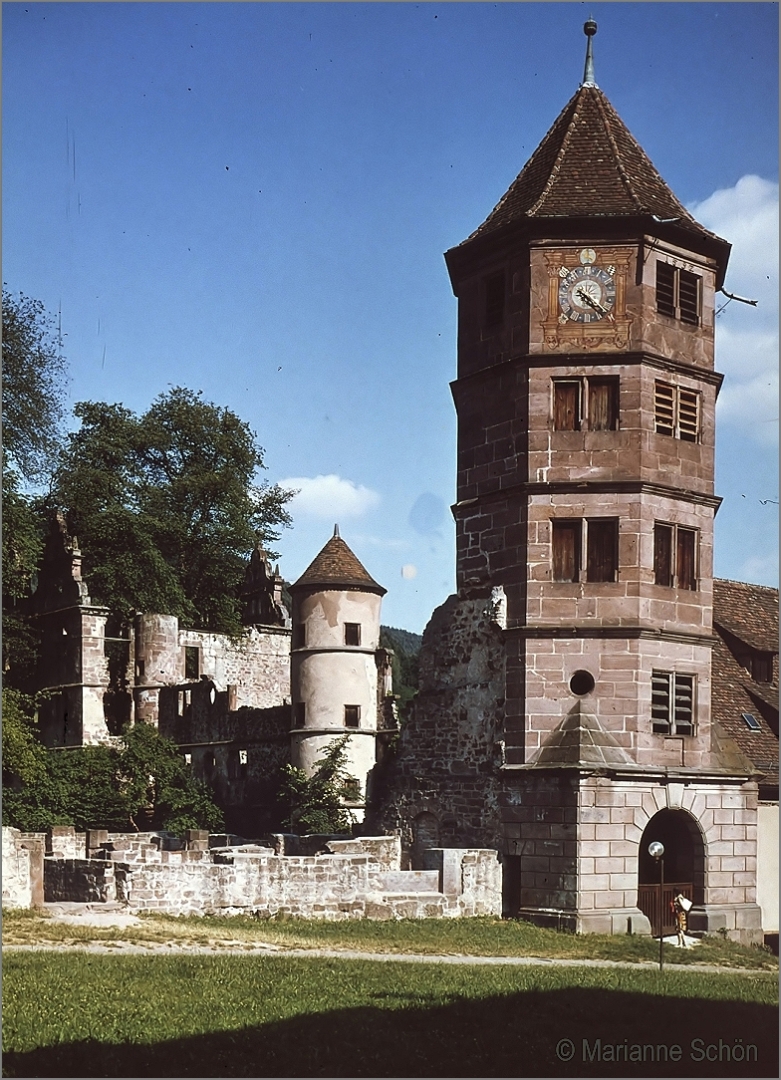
(337,567)
(588,165)
(748,613)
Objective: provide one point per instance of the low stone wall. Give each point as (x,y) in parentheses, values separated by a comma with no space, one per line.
(358,878)
(84,881)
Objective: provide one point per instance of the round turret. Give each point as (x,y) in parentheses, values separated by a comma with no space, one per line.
(333,671)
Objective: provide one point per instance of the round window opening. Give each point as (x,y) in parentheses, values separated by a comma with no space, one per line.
(582,682)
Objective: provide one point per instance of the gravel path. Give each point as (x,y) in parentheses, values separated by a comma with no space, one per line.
(118,915)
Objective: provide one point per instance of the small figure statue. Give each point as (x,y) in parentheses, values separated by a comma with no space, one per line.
(681,907)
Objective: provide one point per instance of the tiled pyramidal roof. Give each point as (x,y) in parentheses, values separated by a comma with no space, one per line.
(336,567)
(581,741)
(588,165)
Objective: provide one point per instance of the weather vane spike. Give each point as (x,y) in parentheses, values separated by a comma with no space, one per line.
(589,29)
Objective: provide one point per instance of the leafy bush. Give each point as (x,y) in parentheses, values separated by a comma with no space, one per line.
(317,801)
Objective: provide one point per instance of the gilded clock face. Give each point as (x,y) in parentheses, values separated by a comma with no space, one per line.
(586,294)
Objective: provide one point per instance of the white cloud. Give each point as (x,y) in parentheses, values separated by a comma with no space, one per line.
(747,337)
(408,571)
(329,497)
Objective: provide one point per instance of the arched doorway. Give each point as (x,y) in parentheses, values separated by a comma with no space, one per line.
(684,866)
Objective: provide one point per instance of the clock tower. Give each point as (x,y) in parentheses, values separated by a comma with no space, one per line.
(585,395)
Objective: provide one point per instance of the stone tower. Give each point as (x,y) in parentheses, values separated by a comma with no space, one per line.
(569,682)
(334,660)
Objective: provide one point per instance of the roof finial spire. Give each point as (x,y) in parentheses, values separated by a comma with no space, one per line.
(589,29)
(336,530)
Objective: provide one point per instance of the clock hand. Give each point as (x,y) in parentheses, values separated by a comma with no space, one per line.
(593,304)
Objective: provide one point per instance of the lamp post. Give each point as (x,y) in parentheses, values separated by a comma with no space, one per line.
(656,851)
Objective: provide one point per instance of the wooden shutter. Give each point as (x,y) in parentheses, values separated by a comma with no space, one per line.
(665,289)
(664,408)
(566,550)
(566,406)
(684,704)
(602,548)
(660,701)
(688,297)
(602,404)
(685,569)
(663,555)
(688,415)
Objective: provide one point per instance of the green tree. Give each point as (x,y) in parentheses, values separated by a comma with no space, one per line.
(167,507)
(34,382)
(317,802)
(142,784)
(158,787)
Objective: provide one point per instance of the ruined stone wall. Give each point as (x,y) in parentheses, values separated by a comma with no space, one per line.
(351,879)
(442,785)
(22,869)
(238,752)
(257,665)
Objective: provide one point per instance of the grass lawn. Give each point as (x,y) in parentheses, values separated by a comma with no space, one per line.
(94,1015)
(469,937)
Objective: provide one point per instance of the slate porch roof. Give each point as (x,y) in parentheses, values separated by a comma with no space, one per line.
(589,165)
(747,614)
(336,567)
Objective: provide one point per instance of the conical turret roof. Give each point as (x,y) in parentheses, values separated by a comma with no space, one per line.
(336,567)
(589,166)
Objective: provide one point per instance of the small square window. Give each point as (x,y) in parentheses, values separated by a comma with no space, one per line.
(352,715)
(672,703)
(678,293)
(675,556)
(352,633)
(677,412)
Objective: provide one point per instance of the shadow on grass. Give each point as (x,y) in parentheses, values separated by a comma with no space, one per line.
(400,1035)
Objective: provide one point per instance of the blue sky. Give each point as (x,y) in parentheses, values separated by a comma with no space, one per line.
(252,200)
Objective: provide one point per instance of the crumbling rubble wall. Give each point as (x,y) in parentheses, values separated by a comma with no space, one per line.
(358,878)
(442,785)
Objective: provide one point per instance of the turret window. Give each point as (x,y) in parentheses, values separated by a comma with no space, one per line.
(299,636)
(601,548)
(589,404)
(675,556)
(678,293)
(677,412)
(352,633)
(672,703)
(299,713)
(352,715)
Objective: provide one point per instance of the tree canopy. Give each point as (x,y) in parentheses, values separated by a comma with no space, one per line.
(34,381)
(143,783)
(166,506)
